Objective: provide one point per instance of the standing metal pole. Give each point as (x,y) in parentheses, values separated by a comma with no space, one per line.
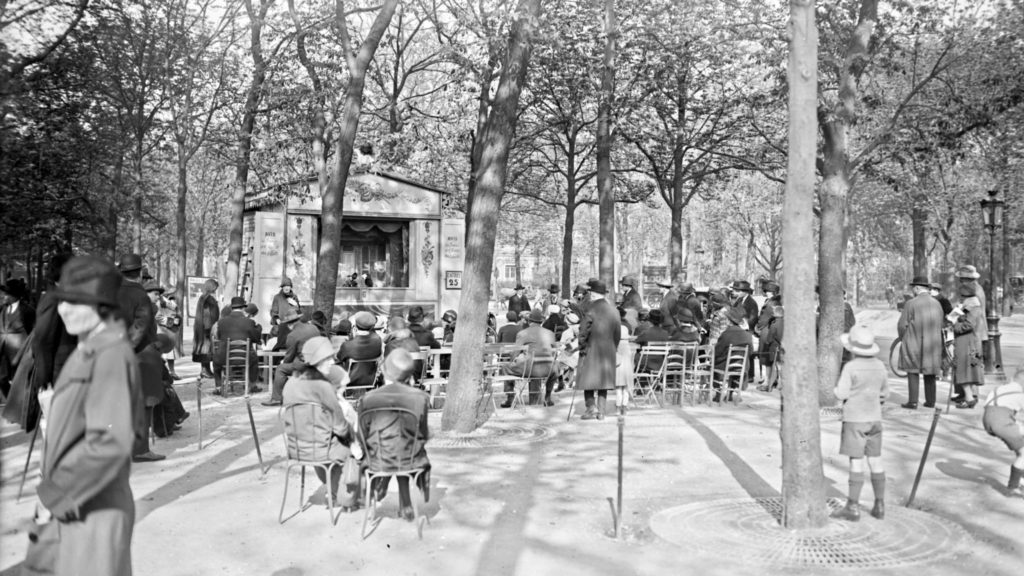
(924,456)
(28,459)
(248,408)
(616,506)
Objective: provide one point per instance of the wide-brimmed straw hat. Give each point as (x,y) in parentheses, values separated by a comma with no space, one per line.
(860,341)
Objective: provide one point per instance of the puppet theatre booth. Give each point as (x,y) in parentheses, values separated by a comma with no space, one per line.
(397,248)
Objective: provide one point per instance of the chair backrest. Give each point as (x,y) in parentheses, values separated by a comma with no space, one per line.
(236,361)
(736,361)
(673,371)
(438,363)
(308,434)
(539,364)
(651,358)
(363,372)
(391,438)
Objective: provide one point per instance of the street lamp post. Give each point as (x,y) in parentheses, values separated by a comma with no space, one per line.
(992,216)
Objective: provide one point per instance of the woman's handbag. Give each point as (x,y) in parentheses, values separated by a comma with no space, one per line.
(43,541)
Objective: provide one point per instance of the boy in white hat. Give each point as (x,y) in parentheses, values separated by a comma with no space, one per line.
(863,389)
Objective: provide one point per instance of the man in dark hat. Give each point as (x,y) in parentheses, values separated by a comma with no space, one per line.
(631,300)
(518,302)
(580,299)
(449,319)
(139,317)
(773,298)
(364,346)
(136,309)
(600,332)
(236,326)
(920,327)
(284,302)
(743,299)
(299,332)
(17,319)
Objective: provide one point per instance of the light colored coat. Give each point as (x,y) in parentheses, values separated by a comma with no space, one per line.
(968,365)
(87,456)
(920,327)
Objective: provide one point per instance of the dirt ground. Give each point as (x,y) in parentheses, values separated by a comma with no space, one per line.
(528,494)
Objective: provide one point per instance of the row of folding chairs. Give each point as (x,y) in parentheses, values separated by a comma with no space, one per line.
(687,370)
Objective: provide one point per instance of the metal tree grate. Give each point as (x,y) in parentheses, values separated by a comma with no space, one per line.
(750,531)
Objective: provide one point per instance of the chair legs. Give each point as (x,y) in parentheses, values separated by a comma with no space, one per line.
(370,519)
(328,470)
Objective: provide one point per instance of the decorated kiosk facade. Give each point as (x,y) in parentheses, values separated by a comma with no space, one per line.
(398,249)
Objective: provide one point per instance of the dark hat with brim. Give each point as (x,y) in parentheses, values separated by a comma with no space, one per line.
(416,314)
(685,316)
(251,309)
(581,289)
(291,316)
(742,286)
(921,281)
(628,281)
(554,289)
(286,281)
(15,288)
(237,302)
(519,287)
(130,263)
(664,284)
(89,280)
(597,286)
(536,316)
(656,317)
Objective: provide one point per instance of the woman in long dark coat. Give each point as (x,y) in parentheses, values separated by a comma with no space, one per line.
(207,314)
(968,367)
(88,441)
(599,341)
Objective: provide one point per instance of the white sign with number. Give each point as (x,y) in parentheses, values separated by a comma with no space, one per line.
(453,279)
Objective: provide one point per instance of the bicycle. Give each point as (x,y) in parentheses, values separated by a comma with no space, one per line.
(947,358)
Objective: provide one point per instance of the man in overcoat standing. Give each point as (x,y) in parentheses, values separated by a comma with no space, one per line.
(920,327)
(139,316)
(599,340)
(518,301)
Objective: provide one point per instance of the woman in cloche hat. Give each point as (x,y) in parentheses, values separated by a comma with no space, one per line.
(88,447)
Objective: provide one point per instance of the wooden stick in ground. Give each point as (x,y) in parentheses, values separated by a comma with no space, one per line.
(28,459)
(924,456)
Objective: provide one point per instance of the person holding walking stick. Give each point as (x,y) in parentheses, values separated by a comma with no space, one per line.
(863,389)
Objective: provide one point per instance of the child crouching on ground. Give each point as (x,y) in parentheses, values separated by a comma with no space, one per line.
(1004,419)
(863,389)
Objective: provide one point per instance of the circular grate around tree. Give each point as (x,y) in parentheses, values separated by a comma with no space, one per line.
(749,530)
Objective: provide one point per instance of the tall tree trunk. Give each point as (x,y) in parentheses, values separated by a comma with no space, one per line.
(918,222)
(236,206)
(460,412)
(570,224)
(803,480)
(182,242)
(605,190)
(333,197)
(835,191)
(482,110)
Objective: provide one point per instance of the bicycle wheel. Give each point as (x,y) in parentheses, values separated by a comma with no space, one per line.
(894,358)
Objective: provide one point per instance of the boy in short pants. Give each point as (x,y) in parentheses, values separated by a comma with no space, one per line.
(1004,419)
(863,388)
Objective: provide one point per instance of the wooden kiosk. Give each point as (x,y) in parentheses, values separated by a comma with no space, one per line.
(395,240)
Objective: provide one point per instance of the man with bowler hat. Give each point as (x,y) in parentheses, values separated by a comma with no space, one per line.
(518,302)
(599,341)
(920,328)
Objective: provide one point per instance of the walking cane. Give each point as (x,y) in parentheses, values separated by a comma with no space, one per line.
(924,456)
(252,425)
(28,459)
(616,505)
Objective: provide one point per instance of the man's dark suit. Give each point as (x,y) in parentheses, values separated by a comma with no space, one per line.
(236,326)
(391,449)
(362,347)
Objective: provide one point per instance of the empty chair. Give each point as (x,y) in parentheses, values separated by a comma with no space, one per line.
(647,377)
